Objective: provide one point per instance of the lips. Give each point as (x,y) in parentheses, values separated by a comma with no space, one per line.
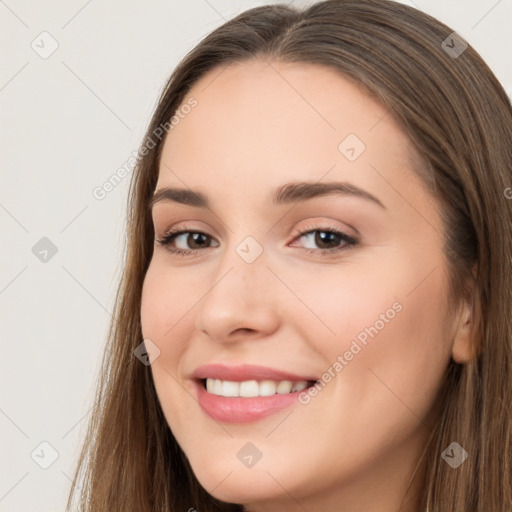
(245,372)
(238,409)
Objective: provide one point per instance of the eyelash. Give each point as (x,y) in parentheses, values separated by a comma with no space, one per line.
(350,241)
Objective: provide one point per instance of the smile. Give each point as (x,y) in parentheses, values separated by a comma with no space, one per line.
(244,393)
(240,409)
(252,388)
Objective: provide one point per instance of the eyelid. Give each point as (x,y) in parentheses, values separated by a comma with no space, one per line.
(320,225)
(183,226)
(323,225)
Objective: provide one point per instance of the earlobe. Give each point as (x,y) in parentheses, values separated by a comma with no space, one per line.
(463,346)
(465,343)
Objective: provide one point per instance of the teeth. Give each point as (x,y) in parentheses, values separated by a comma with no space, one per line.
(251,388)
(230,388)
(267,388)
(299,386)
(285,386)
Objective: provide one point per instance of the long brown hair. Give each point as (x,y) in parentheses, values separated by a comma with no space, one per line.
(460,120)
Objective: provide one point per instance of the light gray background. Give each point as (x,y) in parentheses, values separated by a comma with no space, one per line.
(68,122)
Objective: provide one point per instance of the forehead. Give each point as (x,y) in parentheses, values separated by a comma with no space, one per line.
(257,120)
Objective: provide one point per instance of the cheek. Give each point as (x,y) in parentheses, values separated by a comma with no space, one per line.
(399,298)
(168,297)
(385,329)
(167,302)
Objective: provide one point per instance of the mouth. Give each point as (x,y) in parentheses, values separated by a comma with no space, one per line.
(244,393)
(253,388)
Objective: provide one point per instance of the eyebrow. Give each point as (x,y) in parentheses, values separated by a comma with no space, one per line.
(285,194)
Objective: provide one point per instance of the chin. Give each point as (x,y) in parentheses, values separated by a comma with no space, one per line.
(239,485)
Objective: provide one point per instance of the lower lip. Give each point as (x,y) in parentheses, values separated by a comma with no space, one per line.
(242,409)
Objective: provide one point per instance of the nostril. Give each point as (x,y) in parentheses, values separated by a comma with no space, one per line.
(244,330)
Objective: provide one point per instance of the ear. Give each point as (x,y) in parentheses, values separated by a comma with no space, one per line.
(464,348)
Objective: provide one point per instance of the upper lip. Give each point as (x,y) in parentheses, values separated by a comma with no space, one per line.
(245,372)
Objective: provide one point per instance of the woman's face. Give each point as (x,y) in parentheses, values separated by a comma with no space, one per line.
(268,282)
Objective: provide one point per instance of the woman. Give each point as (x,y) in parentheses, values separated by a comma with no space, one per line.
(318,263)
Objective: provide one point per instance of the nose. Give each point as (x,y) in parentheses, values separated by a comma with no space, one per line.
(241,301)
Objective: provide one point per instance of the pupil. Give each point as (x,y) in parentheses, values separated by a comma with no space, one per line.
(328,237)
(196,236)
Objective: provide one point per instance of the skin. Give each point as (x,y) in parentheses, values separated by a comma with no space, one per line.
(353,447)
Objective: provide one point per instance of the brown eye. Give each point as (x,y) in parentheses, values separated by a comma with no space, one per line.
(326,241)
(197,240)
(186,241)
